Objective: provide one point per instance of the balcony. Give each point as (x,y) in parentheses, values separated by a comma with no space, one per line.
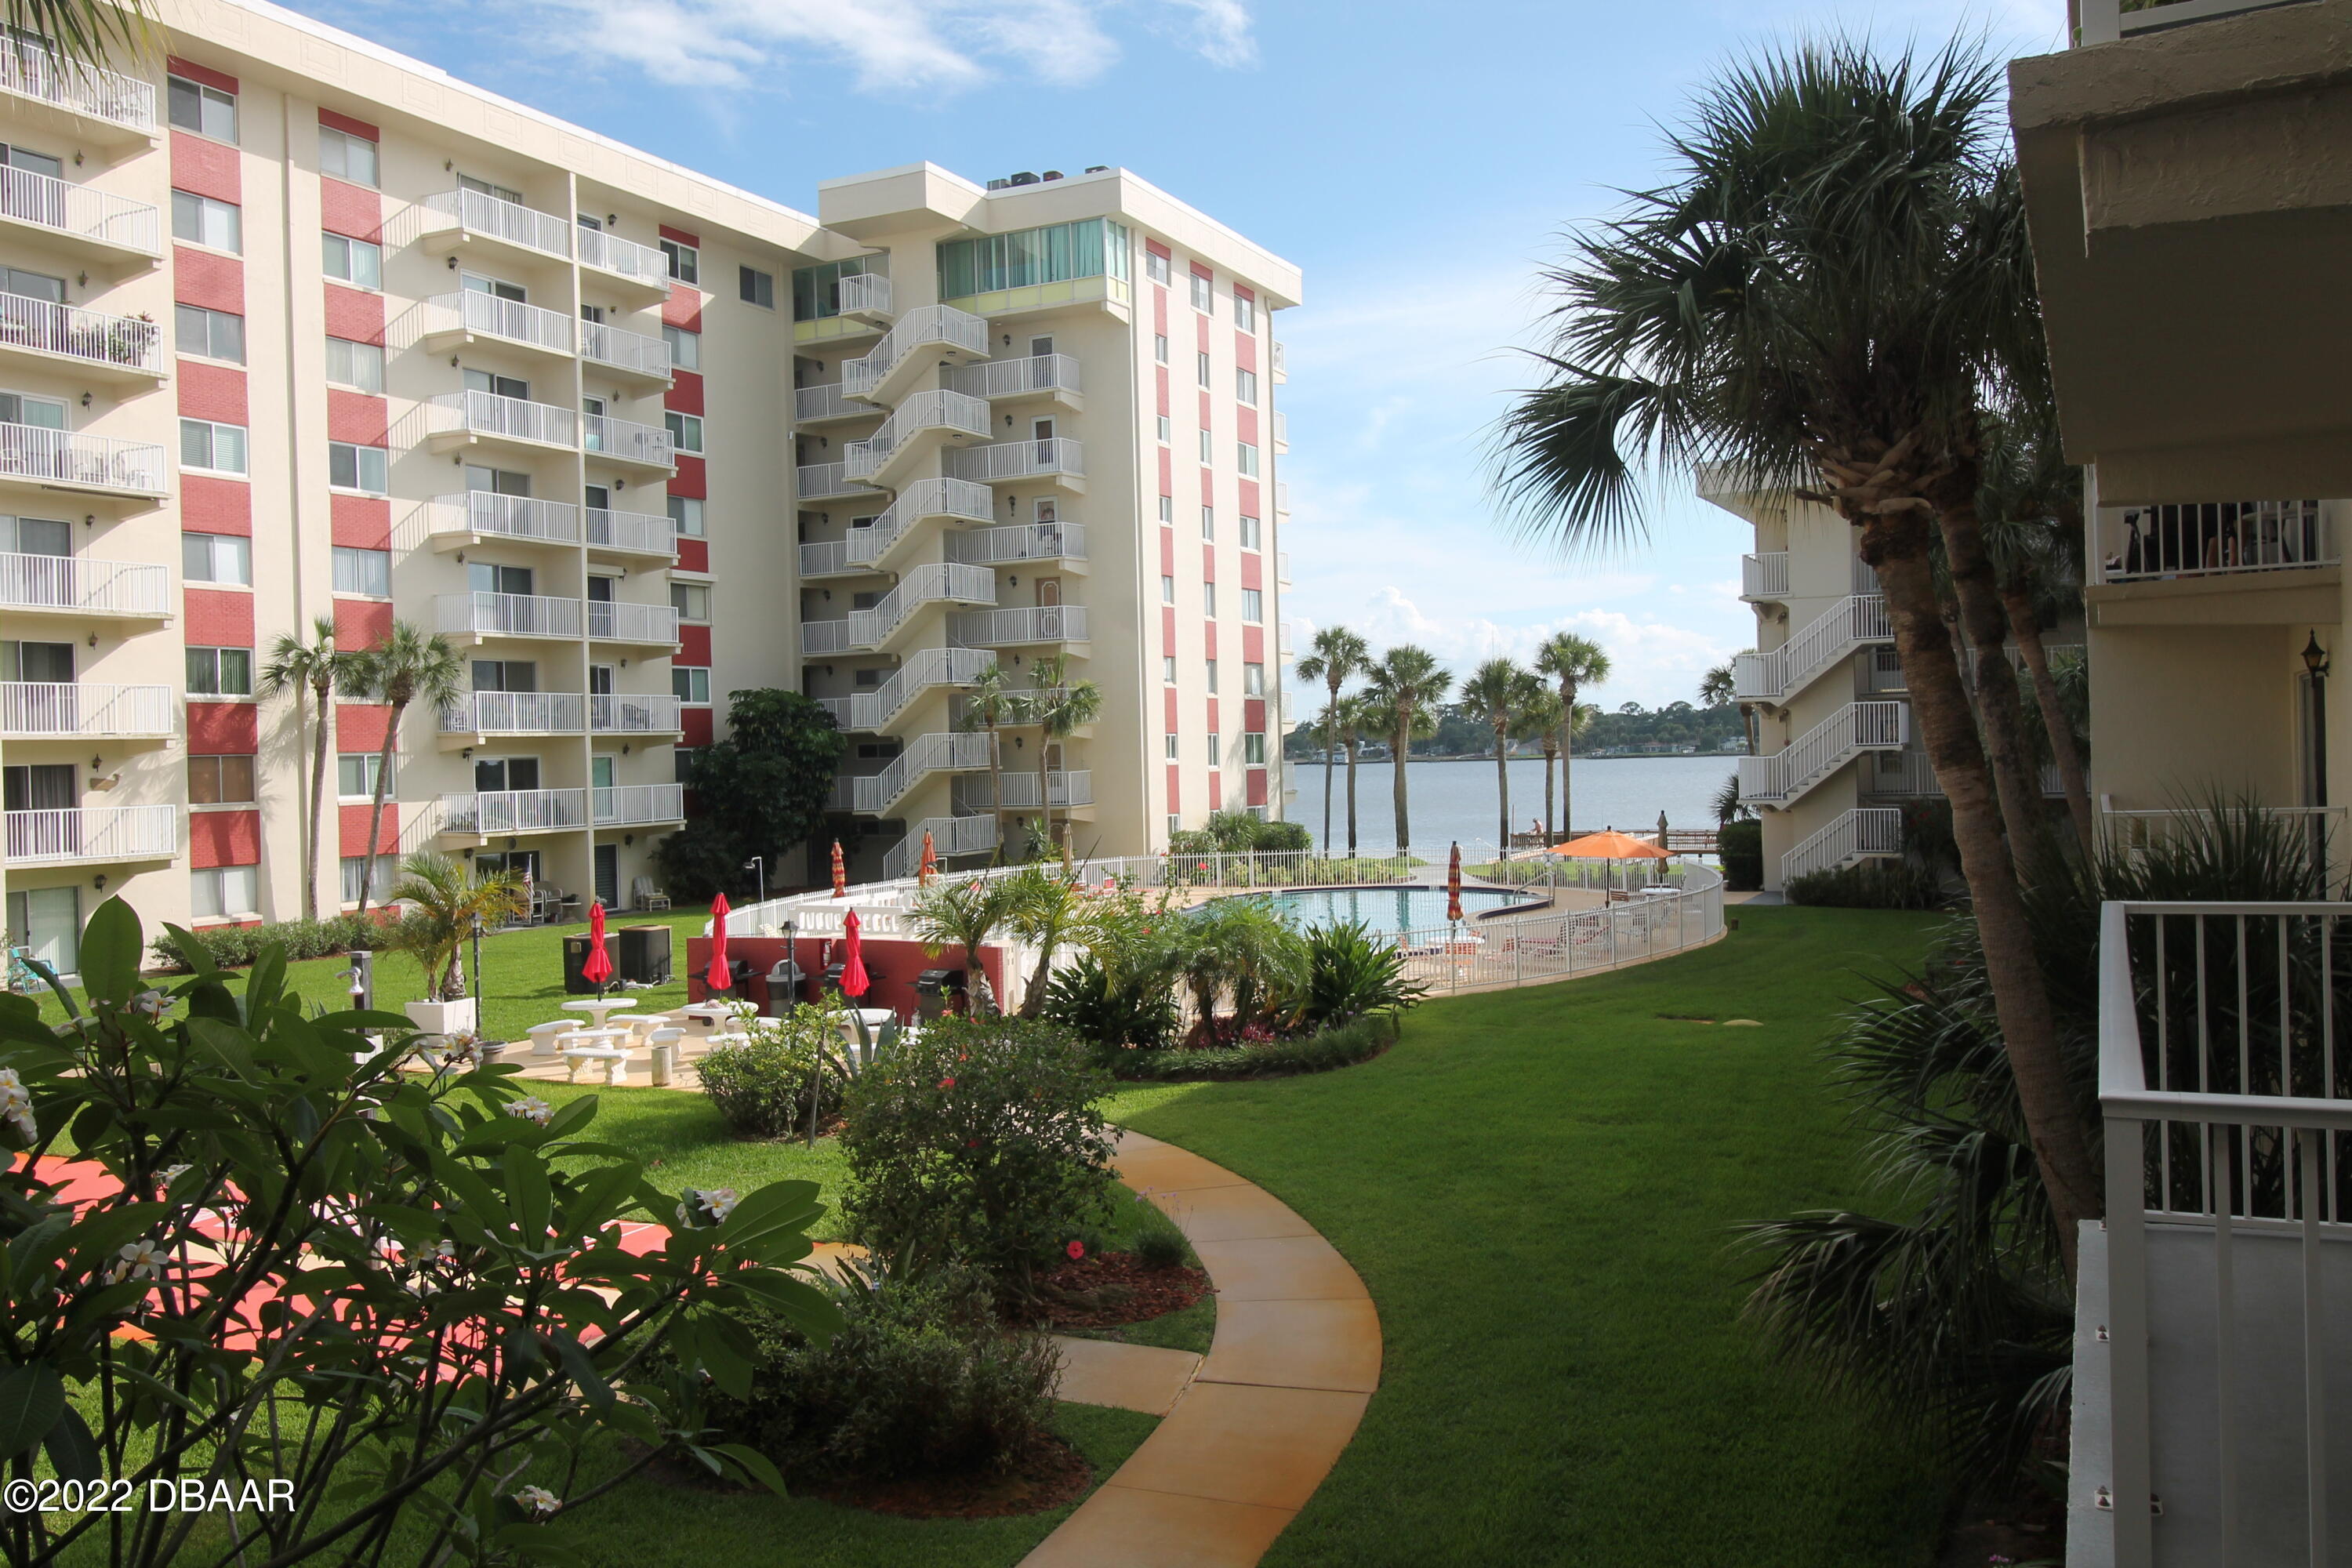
(469,220)
(1051,376)
(925,336)
(114,348)
(865,295)
(825,637)
(2214,540)
(949,836)
(108,106)
(111,230)
(831,558)
(91,835)
(460,521)
(971,795)
(951,500)
(653,624)
(455,419)
(86,710)
(631,533)
(1849,838)
(480,715)
(638,272)
(934,582)
(1282,497)
(1849,626)
(1009,629)
(1058,460)
(925,670)
(494,813)
(1764,577)
(1282,568)
(1281,373)
(1020,542)
(628,444)
(633,356)
(1113,296)
(1282,638)
(506,615)
(1281,423)
(35,456)
(819,404)
(639,805)
(957,750)
(84,586)
(1785,776)
(952,416)
(633,713)
(826,481)
(448,321)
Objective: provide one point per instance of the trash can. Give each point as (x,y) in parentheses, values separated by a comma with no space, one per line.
(932,989)
(644,954)
(575,958)
(783,987)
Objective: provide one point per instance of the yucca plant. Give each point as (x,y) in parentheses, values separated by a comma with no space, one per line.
(1352,972)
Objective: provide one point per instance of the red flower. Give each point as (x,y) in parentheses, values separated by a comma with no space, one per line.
(947,1083)
(1077,1250)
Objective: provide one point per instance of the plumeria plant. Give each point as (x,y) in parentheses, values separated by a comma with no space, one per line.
(390,1303)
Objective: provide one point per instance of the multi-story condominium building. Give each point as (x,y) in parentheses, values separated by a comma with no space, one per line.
(294,327)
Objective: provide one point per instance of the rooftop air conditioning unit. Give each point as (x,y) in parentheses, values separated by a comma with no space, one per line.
(1023,178)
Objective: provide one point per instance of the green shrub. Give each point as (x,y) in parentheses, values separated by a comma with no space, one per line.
(1158,1241)
(1872,885)
(763,1088)
(234,947)
(1352,972)
(978,1142)
(1110,1013)
(1342,1047)
(1742,847)
(920,1380)
(1237,832)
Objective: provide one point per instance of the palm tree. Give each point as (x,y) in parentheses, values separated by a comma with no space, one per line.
(992,705)
(84,34)
(1716,689)
(311,669)
(1058,706)
(1540,722)
(1405,688)
(963,914)
(1334,657)
(408,666)
(1496,695)
(445,901)
(1823,297)
(1574,662)
(1356,715)
(1046,911)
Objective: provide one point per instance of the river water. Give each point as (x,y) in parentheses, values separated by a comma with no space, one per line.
(1453,801)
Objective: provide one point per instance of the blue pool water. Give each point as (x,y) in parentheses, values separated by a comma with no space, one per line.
(1387,909)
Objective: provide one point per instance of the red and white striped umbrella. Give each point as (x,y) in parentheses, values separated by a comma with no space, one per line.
(840,872)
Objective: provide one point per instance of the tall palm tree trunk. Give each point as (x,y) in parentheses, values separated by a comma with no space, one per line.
(1502,797)
(1999,708)
(1354,742)
(2021,995)
(1550,837)
(996,784)
(375,805)
(1399,745)
(2018,599)
(1330,744)
(1566,760)
(1045,790)
(321,748)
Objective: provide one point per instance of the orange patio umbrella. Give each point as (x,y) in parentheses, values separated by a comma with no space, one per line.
(1610,845)
(840,873)
(930,866)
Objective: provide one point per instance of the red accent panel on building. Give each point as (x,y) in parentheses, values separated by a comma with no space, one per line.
(224,838)
(1213,726)
(1208,563)
(1249,498)
(1202,269)
(362,623)
(1252,569)
(1158,250)
(348,126)
(224,730)
(693,646)
(1245,425)
(1175,791)
(359,726)
(1254,715)
(1171,724)
(352,211)
(1160,374)
(684,394)
(683,308)
(354,314)
(1159,311)
(1200,332)
(206,168)
(216,617)
(1208,413)
(692,478)
(1254,781)
(1167,628)
(351,823)
(209,505)
(1167,472)
(1245,351)
(1216,792)
(1208,485)
(361,522)
(357,416)
(680,236)
(1167,553)
(1243,292)
(201,278)
(212,391)
(693,554)
(697,726)
(1252,645)
(204,74)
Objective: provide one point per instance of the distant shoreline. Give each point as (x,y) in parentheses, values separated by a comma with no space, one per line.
(1626,757)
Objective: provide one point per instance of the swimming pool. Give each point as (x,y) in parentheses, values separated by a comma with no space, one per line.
(1387,909)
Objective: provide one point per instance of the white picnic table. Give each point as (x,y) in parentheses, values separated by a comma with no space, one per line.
(601,1009)
(710,1015)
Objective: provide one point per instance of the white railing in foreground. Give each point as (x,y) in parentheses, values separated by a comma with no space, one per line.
(920,671)
(516,517)
(1836,633)
(624,350)
(93,337)
(1033,623)
(85,584)
(100,217)
(84,709)
(471,310)
(91,833)
(94,462)
(947,749)
(516,713)
(1850,836)
(1004,461)
(1764,575)
(32,71)
(491,414)
(610,253)
(501,220)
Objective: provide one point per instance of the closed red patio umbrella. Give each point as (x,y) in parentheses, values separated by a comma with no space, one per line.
(855,981)
(840,873)
(599,967)
(1454,887)
(718,977)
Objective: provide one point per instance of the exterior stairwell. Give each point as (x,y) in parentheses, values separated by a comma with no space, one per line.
(1788,775)
(1851,836)
(1854,623)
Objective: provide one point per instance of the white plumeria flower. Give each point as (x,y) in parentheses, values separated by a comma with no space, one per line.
(537,1502)
(140,1259)
(151,1002)
(172,1173)
(719,1201)
(538,1110)
(446,1251)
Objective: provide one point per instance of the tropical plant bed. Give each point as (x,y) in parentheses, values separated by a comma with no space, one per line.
(1049,1475)
(1111,1290)
(1321,1052)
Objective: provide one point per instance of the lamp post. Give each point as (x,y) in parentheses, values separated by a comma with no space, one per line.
(2314,665)
(759,863)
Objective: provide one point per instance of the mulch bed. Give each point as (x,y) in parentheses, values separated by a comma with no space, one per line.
(1051,1474)
(1113,1289)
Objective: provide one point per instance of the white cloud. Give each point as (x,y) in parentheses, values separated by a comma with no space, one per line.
(1221,31)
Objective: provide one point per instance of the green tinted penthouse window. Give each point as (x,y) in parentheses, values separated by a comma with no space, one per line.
(1092,247)
(817,291)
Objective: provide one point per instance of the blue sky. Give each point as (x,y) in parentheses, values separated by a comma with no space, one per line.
(1419,162)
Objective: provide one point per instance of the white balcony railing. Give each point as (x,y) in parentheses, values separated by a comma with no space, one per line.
(944,750)
(85,586)
(825,637)
(1863,576)
(828,402)
(516,713)
(957,500)
(1764,576)
(816,481)
(925,327)
(493,812)
(1851,624)
(2105,21)
(1282,567)
(626,440)
(865,294)
(497,218)
(509,517)
(949,836)
(1281,431)
(829,558)
(1017,377)
(512,418)
(1783,776)
(89,709)
(933,583)
(2139,544)
(610,253)
(89,462)
(624,350)
(635,806)
(506,614)
(487,315)
(633,713)
(1016,460)
(933,409)
(972,792)
(1020,541)
(1850,836)
(92,833)
(641,532)
(1282,497)
(82,212)
(612,621)
(926,669)
(69,332)
(1005,628)
(31,72)
(1281,370)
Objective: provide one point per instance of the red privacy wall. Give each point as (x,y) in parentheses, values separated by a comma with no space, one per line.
(892,966)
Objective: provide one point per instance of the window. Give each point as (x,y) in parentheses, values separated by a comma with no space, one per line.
(1168,669)
(1249,533)
(1208,522)
(356,772)
(355,468)
(1208,452)
(867,680)
(353,261)
(1253,681)
(346,156)
(1160,347)
(200,220)
(686,511)
(817,291)
(754,287)
(1244,313)
(1090,248)
(1245,458)
(690,683)
(1155,267)
(1212,666)
(1253,604)
(387,873)
(367,572)
(685,261)
(205,445)
(214,334)
(1167,431)
(1216,751)
(220,672)
(1175,824)
(685,347)
(1246,386)
(684,431)
(219,892)
(1200,364)
(217,558)
(1203,298)
(1209,600)
(207,111)
(682,764)
(692,601)
(355,364)
(1168,508)
(1170,748)
(220,780)
(1168,590)
(1254,749)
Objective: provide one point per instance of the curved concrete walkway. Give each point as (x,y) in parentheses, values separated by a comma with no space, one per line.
(1261,1419)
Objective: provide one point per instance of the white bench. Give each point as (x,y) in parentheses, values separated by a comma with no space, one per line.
(546,1037)
(596,1045)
